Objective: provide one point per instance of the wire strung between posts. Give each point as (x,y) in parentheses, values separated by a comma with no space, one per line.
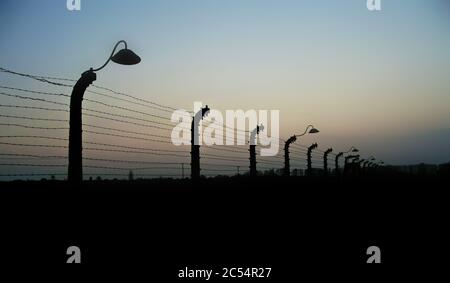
(34,91)
(32,107)
(95,111)
(90,174)
(33,77)
(33,127)
(215,155)
(234,160)
(96,159)
(33,118)
(234,150)
(86,109)
(68,96)
(92,115)
(94,101)
(32,98)
(89,142)
(111,168)
(94,149)
(123,136)
(45,79)
(132,102)
(34,145)
(90,166)
(122,131)
(129,122)
(87,131)
(33,174)
(226,165)
(134,97)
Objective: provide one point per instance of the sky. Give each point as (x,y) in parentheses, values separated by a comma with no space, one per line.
(376,80)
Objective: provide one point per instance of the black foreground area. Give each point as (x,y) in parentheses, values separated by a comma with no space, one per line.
(161,226)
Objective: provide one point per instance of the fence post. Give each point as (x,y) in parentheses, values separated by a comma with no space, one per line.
(75,168)
(252,149)
(325,161)
(287,165)
(195,144)
(336,163)
(310,149)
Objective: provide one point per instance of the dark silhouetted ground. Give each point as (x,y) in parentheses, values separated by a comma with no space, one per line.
(290,224)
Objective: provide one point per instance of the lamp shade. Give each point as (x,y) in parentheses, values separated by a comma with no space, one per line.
(313,131)
(126,57)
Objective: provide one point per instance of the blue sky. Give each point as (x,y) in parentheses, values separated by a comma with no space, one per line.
(375,79)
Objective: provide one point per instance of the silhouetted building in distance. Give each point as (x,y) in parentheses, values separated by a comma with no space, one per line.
(423,169)
(444,169)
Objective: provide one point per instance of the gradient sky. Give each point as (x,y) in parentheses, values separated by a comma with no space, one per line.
(376,80)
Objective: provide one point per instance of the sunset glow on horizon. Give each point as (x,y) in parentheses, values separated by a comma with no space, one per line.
(376,80)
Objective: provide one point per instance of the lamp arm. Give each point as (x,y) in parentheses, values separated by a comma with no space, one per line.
(112,54)
(306,130)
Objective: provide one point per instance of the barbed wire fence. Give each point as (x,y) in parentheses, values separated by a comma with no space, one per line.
(125,136)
